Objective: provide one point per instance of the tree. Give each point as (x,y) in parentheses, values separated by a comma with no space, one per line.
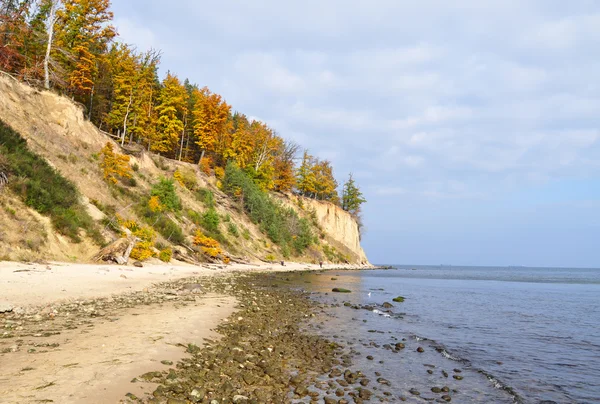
(325,183)
(305,176)
(83,34)
(211,115)
(114,165)
(352,198)
(284,179)
(170,110)
(51,20)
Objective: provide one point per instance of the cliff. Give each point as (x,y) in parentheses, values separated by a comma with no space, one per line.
(55,128)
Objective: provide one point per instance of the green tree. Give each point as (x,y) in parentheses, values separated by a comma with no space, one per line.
(352,198)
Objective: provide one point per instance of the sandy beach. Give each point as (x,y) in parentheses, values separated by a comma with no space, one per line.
(75,333)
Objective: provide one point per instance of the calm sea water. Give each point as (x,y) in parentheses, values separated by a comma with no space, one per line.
(525,334)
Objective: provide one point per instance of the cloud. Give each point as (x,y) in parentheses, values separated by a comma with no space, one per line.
(492,95)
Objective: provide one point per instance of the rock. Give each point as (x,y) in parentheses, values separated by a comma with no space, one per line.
(446,398)
(381,380)
(364,382)
(387,305)
(168,363)
(138,264)
(420,349)
(457,377)
(414,392)
(398,299)
(5,307)
(436,390)
(301,390)
(341,290)
(400,345)
(445,373)
(329,400)
(369,357)
(239,397)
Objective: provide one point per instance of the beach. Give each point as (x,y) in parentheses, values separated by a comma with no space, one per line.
(74,333)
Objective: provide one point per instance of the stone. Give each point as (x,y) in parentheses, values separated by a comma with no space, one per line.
(420,349)
(341,290)
(446,398)
(436,390)
(6,307)
(239,397)
(138,264)
(387,305)
(414,392)
(457,377)
(398,299)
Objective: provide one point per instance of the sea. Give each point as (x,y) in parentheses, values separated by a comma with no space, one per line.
(509,334)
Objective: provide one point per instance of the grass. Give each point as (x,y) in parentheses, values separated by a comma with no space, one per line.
(44,189)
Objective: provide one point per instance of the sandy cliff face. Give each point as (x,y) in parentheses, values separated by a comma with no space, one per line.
(56,129)
(341,228)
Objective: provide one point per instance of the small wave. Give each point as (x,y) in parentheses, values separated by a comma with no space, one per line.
(501,386)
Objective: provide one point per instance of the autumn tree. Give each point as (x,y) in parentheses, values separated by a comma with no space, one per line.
(170,110)
(211,119)
(83,32)
(305,176)
(325,183)
(14,29)
(114,165)
(283,166)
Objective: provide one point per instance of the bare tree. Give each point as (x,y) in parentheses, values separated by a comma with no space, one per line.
(50,22)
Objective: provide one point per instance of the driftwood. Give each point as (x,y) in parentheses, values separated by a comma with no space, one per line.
(118,251)
(181,255)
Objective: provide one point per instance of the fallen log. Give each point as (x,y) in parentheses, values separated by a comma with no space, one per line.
(118,251)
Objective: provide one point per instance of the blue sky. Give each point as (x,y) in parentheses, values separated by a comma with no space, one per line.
(472,127)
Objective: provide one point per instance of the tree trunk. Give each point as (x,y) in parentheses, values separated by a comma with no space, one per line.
(50,31)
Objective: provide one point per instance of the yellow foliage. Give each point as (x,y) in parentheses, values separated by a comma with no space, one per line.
(114,164)
(179,177)
(165,255)
(220,172)
(208,246)
(154,204)
(143,248)
(186,178)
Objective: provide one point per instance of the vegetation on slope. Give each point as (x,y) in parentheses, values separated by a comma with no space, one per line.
(123,94)
(42,188)
(282,225)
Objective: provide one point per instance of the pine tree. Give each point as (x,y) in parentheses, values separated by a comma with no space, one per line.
(352,198)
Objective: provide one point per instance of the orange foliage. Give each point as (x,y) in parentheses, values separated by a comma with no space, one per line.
(205,165)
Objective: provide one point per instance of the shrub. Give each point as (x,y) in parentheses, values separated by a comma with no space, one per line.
(169,230)
(208,245)
(205,165)
(44,189)
(210,220)
(206,197)
(165,191)
(114,165)
(186,178)
(165,255)
(233,229)
(270,258)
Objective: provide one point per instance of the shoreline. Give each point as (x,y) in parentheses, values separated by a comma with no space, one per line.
(35,284)
(109,325)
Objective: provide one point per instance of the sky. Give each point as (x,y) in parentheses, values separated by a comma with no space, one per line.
(472,127)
